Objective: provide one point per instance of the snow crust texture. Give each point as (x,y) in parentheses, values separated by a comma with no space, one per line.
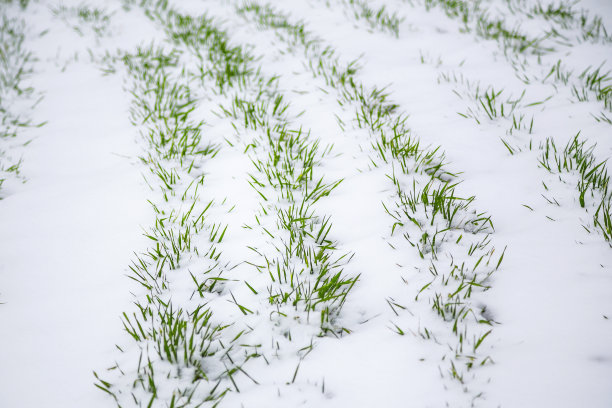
(319,203)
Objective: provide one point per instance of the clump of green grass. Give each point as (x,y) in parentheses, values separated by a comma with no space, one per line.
(595,82)
(511,38)
(566,17)
(84,17)
(560,12)
(593,179)
(591,83)
(488,103)
(377,18)
(477,19)
(558,73)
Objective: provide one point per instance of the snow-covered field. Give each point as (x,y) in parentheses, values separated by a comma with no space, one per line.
(317,203)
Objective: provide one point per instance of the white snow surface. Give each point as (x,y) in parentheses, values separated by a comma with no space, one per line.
(69,232)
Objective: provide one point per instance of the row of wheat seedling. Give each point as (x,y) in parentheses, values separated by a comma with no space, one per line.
(306,273)
(182,354)
(452,240)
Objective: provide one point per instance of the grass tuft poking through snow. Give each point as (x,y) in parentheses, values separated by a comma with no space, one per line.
(593,179)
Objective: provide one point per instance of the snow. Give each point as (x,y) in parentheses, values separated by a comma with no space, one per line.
(70,231)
